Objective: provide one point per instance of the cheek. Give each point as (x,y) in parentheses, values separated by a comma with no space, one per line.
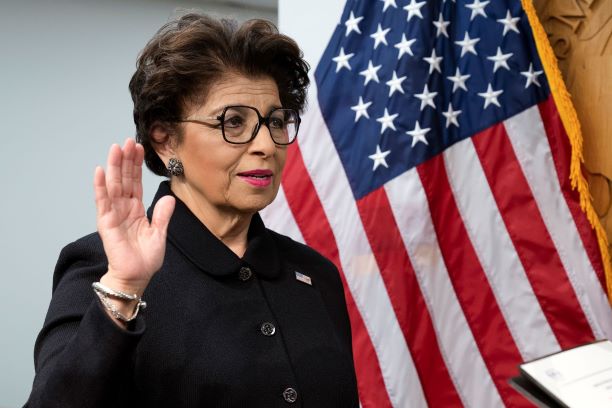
(280,165)
(211,166)
(221,161)
(281,157)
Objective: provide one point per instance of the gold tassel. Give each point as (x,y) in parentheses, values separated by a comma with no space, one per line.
(572,127)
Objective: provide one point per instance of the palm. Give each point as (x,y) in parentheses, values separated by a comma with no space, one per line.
(134,247)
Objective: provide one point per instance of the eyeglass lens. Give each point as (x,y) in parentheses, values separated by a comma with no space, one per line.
(240,123)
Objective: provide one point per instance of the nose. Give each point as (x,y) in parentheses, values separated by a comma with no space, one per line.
(263,143)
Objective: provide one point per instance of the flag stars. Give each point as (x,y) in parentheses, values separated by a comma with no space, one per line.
(379,158)
(371,73)
(490,96)
(500,60)
(387,121)
(532,76)
(342,60)
(352,24)
(441,25)
(458,80)
(404,46)
(509,23)
(414,9)
(380,36)
(418,134)
(426,98)
(477,8)
(451,116)
(361,109)
(395,84)
(388,3)
(434,62)
(467,44)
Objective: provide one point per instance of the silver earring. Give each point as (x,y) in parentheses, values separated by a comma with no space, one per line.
(175,167)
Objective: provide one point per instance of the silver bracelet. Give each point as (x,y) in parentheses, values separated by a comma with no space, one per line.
(104,293)
(98,287)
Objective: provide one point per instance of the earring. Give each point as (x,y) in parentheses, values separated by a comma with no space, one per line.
(175,167)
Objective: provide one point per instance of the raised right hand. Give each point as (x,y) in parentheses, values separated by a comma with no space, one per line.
(134,247)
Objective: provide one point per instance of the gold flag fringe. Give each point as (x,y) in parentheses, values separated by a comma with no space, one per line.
(572,127)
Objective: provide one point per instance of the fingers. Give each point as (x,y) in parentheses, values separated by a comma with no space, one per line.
(123,177)
(101,194)
(162,212)
(127,167)
(124,170)
(137,172)
(113,172)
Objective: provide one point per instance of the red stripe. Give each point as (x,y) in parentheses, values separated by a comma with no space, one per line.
(407,299)
(530,237)
(561,152)
(471,285)
(308,212)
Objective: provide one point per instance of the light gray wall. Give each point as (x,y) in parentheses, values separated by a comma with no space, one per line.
(64,72)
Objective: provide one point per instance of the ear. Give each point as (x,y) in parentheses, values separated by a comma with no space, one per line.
(162,140)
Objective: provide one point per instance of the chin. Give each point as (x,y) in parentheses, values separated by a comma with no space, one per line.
(253,206)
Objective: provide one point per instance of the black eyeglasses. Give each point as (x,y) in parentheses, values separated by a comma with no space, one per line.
(240,124)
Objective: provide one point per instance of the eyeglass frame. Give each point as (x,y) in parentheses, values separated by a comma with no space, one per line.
(260,119)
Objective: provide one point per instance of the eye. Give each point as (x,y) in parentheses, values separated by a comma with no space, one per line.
(277,123)
(234,121)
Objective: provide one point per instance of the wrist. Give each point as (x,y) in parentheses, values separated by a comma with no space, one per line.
(121,306)
(129,287)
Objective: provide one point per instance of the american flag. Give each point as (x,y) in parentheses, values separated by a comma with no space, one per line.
(433,169)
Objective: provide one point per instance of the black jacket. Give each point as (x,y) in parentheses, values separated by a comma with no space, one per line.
(214,334)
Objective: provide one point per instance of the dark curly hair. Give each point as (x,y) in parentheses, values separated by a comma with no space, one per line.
(186,56)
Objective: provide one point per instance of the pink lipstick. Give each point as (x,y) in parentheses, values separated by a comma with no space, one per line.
(257,178)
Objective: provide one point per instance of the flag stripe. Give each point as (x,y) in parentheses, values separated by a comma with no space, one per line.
(360,269)
(534,154)
(406,298)
(561,151)
(496,252)
(470,282)
(411,211)
(303,201)
(535,248)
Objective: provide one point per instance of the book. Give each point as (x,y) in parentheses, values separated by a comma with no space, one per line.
(580,377)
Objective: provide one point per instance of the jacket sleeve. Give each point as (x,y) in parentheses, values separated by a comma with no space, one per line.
(81,357)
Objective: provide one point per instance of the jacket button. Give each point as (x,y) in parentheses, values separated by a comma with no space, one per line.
(290,395)
(268,329)
(245,274)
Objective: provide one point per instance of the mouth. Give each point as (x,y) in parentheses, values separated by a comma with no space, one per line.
(257,178)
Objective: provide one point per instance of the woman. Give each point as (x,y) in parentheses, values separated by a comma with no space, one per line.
(236,315)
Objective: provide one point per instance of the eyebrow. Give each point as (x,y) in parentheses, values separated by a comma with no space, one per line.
(220,109)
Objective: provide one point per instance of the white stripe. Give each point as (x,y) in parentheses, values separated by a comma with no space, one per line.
(278,217)
(533,152)
(496,252)
(359,265)
(411,210)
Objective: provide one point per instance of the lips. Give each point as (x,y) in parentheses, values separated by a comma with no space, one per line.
(257,178)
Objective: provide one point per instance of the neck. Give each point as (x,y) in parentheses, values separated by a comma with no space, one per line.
(230,227)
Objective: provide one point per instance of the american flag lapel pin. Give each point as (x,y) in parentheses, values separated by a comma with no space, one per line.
(303,278)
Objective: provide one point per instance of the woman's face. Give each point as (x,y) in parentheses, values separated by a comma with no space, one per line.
(224,177)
